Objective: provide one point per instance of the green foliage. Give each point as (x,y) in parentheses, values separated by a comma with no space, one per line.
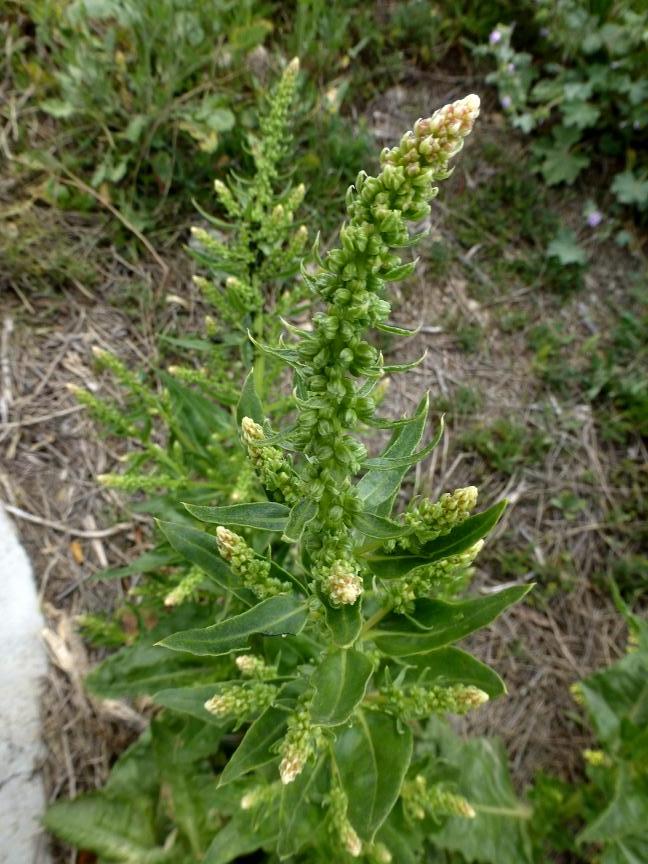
(323,627)
(583,85)
(140,87)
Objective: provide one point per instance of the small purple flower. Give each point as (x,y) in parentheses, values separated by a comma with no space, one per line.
(594,218)
(495,37)
(505,102)
(544,32)
(511,68)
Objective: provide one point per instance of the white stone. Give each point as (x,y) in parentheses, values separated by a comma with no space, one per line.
(22,667)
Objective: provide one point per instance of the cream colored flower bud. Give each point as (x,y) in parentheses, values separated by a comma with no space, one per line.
(293,66)
(343,584)
(251,431)
(291,767)
(227,541)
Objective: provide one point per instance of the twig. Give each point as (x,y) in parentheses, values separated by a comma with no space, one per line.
(6,395)
(59,526)
(33,421)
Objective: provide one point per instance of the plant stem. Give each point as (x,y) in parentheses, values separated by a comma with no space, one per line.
(370,623)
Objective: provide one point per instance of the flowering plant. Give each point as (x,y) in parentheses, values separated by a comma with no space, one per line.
(584,88)
(326,629)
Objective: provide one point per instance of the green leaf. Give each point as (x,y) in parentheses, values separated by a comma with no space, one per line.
(372,755)
(499,832)
(190,700)
(154,559)
(396,331)
(282,615)
(377,489)
(566,249)
(301,514)
(249,404)
(390,463)
(144,668)
(257,747)
(623,822)
(195,417)
(435,623)
(616,699)
(449,666)
(379,527)
(579,114)
(262,516)
(402,271)
(241,836)
(344,622)
(459,540)
(630,189)
(340,683)
(404,367)
(200,548)
(120,830)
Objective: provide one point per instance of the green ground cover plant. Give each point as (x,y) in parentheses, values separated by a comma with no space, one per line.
(582,89)
(324,626)
(141,93)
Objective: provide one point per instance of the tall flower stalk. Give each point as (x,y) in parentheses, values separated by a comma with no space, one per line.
(329,627)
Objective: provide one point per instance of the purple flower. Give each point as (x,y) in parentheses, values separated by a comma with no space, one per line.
(495,37)
(594,218)
(544,32)
(511,68)
(505,102)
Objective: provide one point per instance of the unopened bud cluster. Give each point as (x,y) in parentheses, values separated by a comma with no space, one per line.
(440,579)
(259,796)
(186,588)
(431,519)
(351,282)
(342,582)
(254,667)
(253,571)
(272,468)
(421,801)
(418,701)
(300,741)
(341,829)
(240,701)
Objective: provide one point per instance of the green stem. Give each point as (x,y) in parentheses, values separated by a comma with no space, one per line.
(370,623)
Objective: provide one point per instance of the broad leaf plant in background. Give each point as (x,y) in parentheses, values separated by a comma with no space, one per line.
(292,694)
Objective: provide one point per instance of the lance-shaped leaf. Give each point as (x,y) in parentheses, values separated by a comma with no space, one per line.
(344,622)
(372,755)
(282,615)
(389,463)
(249,404)
(262,516)
(340,683)
(449,666)
(459,540)
(200,548)
(379,527)
(377,489)
(435,623)
(257,747)
(301,514)
(401,271)
(394,330)
(404,367)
